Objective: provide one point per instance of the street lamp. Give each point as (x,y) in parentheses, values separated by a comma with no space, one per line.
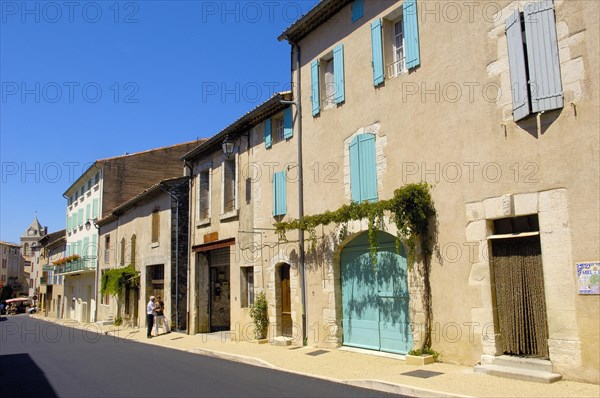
(228,147)
(88,225)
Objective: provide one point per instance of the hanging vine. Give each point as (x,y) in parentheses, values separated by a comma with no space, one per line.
(411,209)
(115,280)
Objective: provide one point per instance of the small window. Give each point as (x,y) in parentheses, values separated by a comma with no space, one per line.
(106,249)
(229,185)
(247,287)
(123,244)
(97,178)
(278,126)
(133,248)
(155,225)
(204,195)
(516,225)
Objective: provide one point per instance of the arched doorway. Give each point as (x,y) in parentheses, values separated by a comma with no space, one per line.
(375,299)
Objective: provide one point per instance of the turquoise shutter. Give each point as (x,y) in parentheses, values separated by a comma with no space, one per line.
(68,222)
(377,51)
(288,123)
(95,208)
(516,66)
(88,211)
(542,56)
(94,246)
(86,246)
(80,217)
(411,33)
(358,10)
(338,73)
(368,167)
(279,194)
(268,139)
(314,81)
(354,170)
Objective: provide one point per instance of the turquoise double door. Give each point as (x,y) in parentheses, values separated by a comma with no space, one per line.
(375,298)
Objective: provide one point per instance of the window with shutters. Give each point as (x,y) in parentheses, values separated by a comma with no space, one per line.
(155,225)
(363,168)
(327,80)
(247,287)
(123,244)
(534,64)
(133,249)
(204,195)
(107,249)
(279,128)
(279,194)
(395,43)
(229,185)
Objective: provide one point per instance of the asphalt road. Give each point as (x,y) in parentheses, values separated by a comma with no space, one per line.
(42,359)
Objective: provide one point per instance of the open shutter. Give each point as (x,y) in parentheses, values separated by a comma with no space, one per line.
(268,140)
(94,246)
(516,64)
(314,81)
(279,194)
(338,73)
(80,217)
(542,56)
(354,171)
(95,208)
(288,123)
(358,10)
(88,211)
(368,167)
(86,246)
(411,32)
(377,51)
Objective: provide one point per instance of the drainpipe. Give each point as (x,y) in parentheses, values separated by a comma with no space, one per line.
(189,172)
(298,103)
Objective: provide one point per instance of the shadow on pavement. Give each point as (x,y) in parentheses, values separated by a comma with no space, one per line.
(21,377)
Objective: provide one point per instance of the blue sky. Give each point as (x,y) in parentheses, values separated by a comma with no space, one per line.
(92,79)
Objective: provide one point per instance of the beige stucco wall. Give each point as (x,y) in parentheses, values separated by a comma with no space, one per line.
(138,221)
(469,149)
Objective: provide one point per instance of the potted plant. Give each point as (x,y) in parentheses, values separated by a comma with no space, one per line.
(417,356)
(260,317)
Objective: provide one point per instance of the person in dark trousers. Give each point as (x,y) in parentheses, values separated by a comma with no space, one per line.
(150,316)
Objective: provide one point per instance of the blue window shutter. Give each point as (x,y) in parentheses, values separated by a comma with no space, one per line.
(368,167)
(279,194)
(358,10)
(516,65)
(88,211)
(86,246)
(94,246)
(542,56)
(411,33)
(288,123)
(268,140)
(354,171)
(338,73)
(95,208)
(377,51)
(314,81)
(68,222)
(80,217)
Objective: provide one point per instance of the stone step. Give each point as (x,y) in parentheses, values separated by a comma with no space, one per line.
(542,365)
(281,341)
(536,376)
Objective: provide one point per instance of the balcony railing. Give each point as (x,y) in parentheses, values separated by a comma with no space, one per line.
(396,68)
(80,265)
(48,267)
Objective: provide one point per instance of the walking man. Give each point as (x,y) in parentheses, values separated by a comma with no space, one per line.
(150,316)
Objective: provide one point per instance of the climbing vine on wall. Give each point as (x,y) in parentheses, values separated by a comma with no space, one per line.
(410,208)
(115,280)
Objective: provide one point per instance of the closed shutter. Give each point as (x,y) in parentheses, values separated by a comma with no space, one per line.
(288,123)
(268,129)
(358,10)
(279,194)
(95,208)
(79,247)
(94,246)
(88,211)
(411,32)
(314,82)
(516,63)
(368,168)
(338,72)
(86,246)
(80,217)
(68,222)
(377,52)
(354,171)
(363,168)
(542,56)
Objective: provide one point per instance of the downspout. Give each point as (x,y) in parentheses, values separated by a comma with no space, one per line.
(189,172)
(301,258)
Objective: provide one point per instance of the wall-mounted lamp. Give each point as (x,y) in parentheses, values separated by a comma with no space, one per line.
(228,147)
(88,224)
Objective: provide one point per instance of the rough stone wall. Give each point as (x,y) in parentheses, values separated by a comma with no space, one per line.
(179,256)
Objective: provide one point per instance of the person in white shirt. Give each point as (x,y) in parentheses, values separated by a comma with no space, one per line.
(150,316)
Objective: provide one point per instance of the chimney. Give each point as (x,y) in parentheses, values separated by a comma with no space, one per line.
(45,230)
